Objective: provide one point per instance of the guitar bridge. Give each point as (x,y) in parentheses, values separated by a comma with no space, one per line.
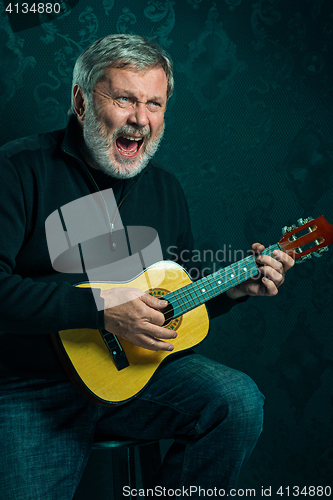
(115,349)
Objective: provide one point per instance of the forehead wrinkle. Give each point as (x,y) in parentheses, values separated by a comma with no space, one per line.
(120,80)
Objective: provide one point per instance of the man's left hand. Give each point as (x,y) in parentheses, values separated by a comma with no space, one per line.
(272,271)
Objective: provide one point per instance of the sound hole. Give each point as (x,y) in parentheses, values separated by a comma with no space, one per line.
(170,321)
(168,314)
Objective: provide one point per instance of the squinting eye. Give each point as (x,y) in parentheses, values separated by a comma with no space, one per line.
(153,106)
(124,101)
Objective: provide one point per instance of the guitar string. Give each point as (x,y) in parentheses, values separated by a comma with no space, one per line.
(177,294)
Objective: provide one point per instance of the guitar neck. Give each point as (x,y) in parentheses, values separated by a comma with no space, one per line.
(197,293)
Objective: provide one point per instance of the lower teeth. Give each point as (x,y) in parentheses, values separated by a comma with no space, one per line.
(128,153)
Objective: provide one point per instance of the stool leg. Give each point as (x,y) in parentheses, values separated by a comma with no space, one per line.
(150,463)
(123,466)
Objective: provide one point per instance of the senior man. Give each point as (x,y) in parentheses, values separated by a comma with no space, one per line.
(121,85)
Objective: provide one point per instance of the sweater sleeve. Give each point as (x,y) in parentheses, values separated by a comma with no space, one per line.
(29,305)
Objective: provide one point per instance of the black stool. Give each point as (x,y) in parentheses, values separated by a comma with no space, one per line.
(123,462)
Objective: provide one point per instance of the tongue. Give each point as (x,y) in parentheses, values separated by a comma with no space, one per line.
(127,145)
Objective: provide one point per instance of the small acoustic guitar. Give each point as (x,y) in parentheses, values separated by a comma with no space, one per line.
(108,369)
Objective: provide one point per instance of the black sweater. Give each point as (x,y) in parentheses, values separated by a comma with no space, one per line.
(38,175)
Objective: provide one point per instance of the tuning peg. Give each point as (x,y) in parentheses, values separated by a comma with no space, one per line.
(293,237)
(303,258)
(316,242)
(320,251)
(315,254)
(302,221)
(287,229)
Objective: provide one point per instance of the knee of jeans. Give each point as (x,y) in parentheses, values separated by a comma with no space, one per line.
(245,405)
(248,401)
(241,403)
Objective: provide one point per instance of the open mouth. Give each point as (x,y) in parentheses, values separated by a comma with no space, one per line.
(128,145)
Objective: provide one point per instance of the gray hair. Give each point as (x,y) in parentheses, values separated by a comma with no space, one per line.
(119,51)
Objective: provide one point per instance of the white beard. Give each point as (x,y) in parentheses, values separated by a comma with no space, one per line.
(98,147)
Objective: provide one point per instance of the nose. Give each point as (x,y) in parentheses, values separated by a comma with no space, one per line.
(139,115)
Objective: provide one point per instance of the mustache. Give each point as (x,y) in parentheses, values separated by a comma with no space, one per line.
(128,130)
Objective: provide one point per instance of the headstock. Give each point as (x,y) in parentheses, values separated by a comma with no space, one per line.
(311,236)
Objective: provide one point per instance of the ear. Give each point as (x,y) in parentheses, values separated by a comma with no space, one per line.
(79,103)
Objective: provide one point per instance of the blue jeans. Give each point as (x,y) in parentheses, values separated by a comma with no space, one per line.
(213,413)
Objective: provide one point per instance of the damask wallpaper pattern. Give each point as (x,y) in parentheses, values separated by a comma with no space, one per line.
(249,135)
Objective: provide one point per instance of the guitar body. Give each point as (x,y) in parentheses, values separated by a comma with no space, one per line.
(88,361)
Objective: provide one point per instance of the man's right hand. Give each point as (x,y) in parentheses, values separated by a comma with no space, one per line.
(136,316)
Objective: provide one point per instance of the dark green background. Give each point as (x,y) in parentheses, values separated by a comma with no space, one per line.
(249,135)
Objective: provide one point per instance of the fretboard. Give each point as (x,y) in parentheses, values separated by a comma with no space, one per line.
(193,295)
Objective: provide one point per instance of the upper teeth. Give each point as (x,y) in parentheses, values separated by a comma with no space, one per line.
(132,138)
